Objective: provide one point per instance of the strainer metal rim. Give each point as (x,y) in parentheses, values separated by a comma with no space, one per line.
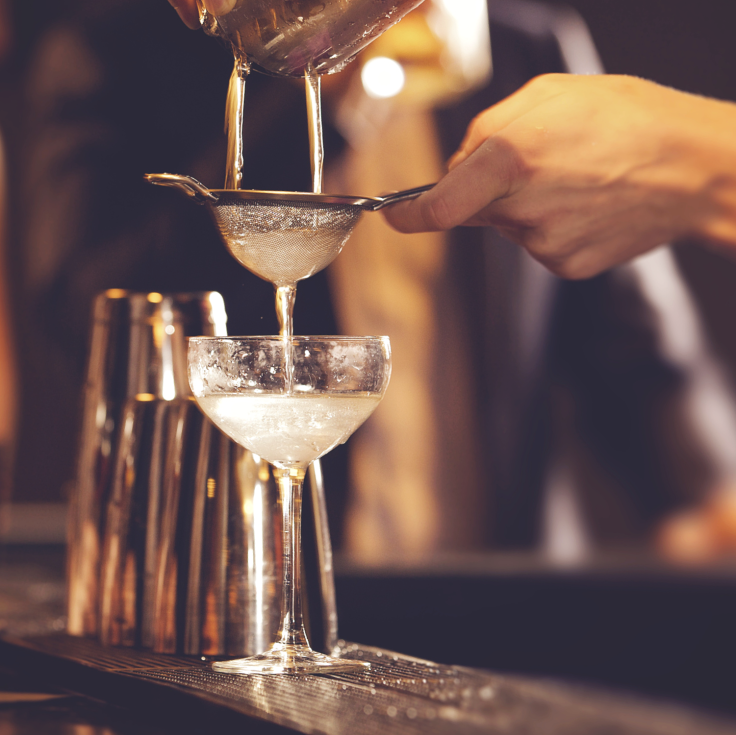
(306,197)
(200,193)
(294,338)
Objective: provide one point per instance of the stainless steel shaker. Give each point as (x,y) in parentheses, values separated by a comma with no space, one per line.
(216,567)
(173,527)
(136,350)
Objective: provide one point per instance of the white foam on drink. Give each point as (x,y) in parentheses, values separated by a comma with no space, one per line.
(289,429)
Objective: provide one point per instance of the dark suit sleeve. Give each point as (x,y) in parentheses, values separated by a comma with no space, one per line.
(649,400)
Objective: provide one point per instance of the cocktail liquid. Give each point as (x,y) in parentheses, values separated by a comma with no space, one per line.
(234,123)
(291,429)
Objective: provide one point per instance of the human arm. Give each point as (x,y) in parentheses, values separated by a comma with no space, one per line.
(586,172)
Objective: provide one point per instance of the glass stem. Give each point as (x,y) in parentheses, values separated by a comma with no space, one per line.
(291,482)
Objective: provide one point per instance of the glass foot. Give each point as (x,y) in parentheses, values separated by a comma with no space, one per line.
(281,659)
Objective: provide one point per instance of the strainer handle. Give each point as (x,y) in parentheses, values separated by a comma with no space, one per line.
(190,186)
(398,196)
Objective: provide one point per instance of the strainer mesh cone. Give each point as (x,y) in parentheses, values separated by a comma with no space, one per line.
(284,242)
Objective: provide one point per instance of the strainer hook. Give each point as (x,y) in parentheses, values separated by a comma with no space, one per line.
(189,185)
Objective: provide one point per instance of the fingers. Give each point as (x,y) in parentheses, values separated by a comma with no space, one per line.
(469,188)
(187,11)
(219,7)
(483,170)
(496,118)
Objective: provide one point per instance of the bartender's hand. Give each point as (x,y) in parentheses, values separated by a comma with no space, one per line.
(588,171)
(188,12)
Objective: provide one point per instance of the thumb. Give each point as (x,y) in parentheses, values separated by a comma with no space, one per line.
(482,178)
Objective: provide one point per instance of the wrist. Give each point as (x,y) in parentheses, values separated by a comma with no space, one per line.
(709,171)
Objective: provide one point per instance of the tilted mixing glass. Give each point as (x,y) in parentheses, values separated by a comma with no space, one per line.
(286,37)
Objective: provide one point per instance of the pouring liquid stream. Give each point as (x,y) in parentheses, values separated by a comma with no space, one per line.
(313,86)
(285,297)
(285,294)
(234,123)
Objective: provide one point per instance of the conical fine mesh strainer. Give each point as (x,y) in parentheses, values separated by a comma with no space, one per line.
(284,242)
(282,237)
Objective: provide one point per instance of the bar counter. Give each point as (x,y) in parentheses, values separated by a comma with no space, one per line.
(400,694)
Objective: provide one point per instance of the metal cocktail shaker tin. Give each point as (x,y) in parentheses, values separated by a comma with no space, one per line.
(173,531)
(136,350)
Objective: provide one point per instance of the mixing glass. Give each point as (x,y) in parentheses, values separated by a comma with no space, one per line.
(286,37)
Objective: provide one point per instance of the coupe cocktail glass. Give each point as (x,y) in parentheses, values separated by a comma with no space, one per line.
(290,401)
